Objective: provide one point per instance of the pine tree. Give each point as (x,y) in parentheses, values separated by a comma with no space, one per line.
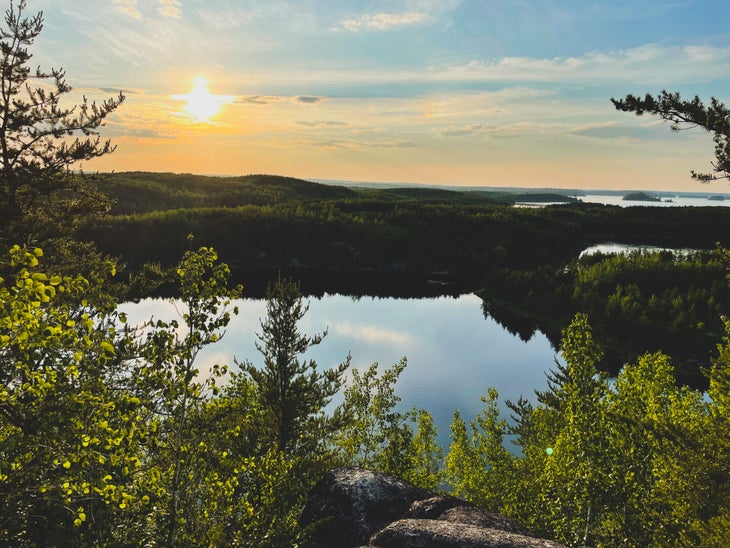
(293,393)
(40,193)
(686,114)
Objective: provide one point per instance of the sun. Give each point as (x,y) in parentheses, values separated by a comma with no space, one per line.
(200,104)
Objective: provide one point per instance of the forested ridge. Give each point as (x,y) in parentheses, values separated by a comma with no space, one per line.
(269,223)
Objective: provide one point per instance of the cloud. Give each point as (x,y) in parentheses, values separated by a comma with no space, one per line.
(126,91)
(469,129)
(650,63)
(334,144)
(166,8)
(320,123)
(269,99)
(170,8)
(128,7)
(624,132)
(258,100)
(382,21)
(518,129)
(308,100)
(372,334)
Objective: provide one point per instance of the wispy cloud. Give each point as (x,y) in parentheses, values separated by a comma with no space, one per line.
(320,123)
(271,99)
(257,99)
(170,8)
(518,129)
(382,21)
(128,7)
(650,63)
(333,144)
(372,334)
(166,8)
(627,132)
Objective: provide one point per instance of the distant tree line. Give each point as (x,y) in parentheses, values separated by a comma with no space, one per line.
(303,226)
(637,302)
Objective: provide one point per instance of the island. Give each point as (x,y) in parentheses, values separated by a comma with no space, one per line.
(640,197)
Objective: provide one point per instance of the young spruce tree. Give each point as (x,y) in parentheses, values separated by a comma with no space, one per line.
(293,393)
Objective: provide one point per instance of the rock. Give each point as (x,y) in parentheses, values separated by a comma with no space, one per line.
(352,508)
(434,507)
(484,518)
(430,533)
(348,505)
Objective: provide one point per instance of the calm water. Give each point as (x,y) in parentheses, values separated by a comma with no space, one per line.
(454,354)
(615,248)
(676,201)
(666,201)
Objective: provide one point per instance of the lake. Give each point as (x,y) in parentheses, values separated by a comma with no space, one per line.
(454,353)
(676,201)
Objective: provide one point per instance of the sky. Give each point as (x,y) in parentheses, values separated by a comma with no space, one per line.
(450,92)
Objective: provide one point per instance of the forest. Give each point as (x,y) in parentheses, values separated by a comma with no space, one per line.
(110,435)
(266,224)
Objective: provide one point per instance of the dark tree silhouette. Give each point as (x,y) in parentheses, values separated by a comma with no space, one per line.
(688,114)
(41,139)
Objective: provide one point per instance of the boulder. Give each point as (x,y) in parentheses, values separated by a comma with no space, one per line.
(348,505)
(350,508)
(431,533)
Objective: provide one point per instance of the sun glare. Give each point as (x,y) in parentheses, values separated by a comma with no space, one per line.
(200,104)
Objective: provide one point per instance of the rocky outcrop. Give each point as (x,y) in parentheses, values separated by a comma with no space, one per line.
(352,508)
(431,533)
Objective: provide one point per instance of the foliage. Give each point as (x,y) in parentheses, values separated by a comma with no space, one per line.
(66,432)
(342,243)
(112,436)
(38,190)
(139,192)
(685,114)
(176,397)
(380,437)
(478,467)
(636,462)
(288,430)
(292,393)
(102,434)
(425,455)
(640,302)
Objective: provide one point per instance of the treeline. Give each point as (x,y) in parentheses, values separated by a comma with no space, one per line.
(665,301)
(264,223)
(142,192)
(343,235)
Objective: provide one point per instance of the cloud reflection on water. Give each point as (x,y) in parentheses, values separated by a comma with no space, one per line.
(454,354)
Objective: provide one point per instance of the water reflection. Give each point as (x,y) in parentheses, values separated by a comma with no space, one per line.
(453,352)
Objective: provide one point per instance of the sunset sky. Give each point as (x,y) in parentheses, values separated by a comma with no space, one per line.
(454,92)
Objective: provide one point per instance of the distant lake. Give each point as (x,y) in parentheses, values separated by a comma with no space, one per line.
(454,353)
(676,201)
(615,248)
